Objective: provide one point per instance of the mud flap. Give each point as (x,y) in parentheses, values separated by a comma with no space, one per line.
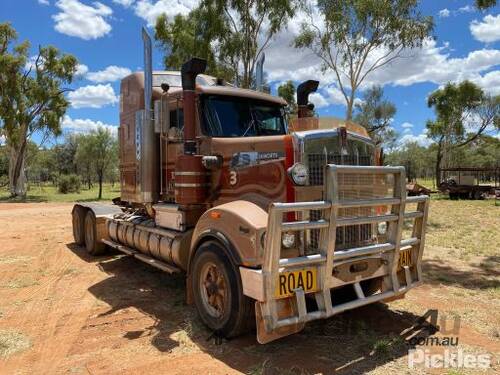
(285,310)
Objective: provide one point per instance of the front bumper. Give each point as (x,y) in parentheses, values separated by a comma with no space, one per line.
(277,317)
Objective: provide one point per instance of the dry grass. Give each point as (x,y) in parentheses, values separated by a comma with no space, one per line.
(12,342)
(465,227)
(22,282)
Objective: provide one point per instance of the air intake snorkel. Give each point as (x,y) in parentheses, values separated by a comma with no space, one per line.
(303,91)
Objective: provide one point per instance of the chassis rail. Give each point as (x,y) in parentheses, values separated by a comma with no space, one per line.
(328,258)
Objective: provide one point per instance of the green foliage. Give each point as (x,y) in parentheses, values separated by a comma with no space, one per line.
(229,34)
(31,99)
(485,4)
(97,153)
(463,113)
(351,32)
(375,114)
(287,91)
(69,183)
(420,161)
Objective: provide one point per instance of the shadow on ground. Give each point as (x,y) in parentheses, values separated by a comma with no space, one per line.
(354,342)
(484,275)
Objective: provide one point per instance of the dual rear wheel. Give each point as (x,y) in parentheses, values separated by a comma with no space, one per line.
(85,230)
(216,283)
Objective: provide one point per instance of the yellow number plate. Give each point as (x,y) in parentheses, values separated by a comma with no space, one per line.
(405,258)
(288,281)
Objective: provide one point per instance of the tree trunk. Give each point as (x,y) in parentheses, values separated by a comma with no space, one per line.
(350,104)
(439,157)
(100,186)
(17,177)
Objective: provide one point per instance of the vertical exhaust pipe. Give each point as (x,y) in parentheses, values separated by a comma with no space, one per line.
(149,142)
(190,69)
(191,187)
(303,91)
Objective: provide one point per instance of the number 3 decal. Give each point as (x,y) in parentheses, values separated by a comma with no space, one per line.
(233,178)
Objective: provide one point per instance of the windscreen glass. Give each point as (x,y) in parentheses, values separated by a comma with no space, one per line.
(226,116)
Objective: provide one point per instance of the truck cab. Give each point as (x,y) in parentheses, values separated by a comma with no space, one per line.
(273,223)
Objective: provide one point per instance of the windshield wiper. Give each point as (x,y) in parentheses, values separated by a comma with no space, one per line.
(251,124)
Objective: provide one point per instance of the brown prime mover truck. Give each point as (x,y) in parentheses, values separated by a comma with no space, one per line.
(273,224)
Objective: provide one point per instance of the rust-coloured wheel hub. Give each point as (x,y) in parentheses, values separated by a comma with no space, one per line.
(213,290)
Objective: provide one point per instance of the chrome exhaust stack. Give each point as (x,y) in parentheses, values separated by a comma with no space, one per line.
(189,71)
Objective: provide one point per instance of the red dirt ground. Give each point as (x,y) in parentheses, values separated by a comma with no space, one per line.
(113,314)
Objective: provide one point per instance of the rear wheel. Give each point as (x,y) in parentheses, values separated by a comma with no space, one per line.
(92,243)
(79,225)
(217,292)
(478,195)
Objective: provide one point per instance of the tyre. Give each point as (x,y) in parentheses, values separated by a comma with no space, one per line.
(93,245)
(217,292)
(78,220)
(478,195)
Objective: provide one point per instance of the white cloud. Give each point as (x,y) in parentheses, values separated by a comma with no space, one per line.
(443,13)
(125,3)
(93,96)
(432,63)
(85,125)
(420,139)
(82,21)
(43,2)
(150,10)
(406,125)
(335,95)
(318,100)
(490,82)
(2,140)
(466,9)
(81,70)
(110,74)
(488,30)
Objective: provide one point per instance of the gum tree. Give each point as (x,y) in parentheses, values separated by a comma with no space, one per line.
(354,38)
(463,113)
(31,97)
(230,34)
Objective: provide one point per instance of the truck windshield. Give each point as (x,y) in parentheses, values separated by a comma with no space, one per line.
(226,116)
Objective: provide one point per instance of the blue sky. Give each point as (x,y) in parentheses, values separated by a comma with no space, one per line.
(105,37)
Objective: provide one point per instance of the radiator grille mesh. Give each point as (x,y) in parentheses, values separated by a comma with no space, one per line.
(351,187)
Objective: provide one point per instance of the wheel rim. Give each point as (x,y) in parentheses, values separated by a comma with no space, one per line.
(213,290)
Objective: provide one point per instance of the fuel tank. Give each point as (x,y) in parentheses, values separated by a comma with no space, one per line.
(140,233)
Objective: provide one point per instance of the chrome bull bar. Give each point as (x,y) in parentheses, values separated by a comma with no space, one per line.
(327,258)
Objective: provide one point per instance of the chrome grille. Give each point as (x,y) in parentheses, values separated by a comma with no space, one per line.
(317,162)
(352,187)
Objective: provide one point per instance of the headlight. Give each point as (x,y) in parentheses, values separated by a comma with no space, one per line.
(382,227)
(299,174)
(288,240)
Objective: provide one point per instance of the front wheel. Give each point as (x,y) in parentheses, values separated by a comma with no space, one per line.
(217,292)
